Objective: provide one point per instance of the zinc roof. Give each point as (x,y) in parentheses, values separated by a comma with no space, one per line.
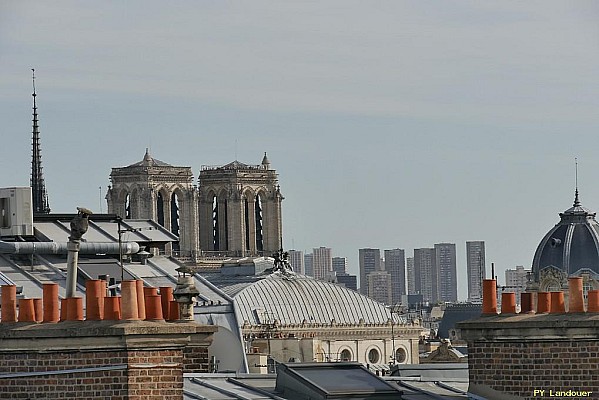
(295,299)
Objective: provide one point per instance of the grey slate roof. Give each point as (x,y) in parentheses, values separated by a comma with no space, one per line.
(257,387)
(455,313)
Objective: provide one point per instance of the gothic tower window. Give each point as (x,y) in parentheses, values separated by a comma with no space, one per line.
(259,220)
(215,230)
(226,225)
(246,213)
(160,209)
(127,207)
(175,218)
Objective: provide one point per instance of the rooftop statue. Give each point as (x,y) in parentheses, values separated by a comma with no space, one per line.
(281,262)
(79,224)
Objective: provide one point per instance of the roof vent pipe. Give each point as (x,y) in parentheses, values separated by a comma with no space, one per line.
(489,296)
(576,298)
(593,296)
(557,303)
(543,302)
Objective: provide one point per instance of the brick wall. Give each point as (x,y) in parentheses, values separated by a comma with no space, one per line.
(533,356)
(131,360)
(520,368)
(143,375)
(195,359)
(155,375)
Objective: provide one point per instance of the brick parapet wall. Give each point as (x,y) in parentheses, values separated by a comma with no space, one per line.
(519,368)
(195,359)
(155,375)
(518,355)
(137,364)
(148,374)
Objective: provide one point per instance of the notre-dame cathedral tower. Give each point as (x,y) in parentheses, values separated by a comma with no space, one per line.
(240,209)
(235,211)
(152,189)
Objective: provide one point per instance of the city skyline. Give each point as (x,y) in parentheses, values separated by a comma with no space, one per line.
(444,266)
(370,113)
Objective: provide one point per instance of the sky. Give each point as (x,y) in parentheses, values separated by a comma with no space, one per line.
(392,124)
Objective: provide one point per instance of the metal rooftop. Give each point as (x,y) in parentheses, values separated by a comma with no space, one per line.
(296,299)
(225,386)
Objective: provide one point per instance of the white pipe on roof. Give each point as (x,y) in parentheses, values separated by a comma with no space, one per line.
(61,248)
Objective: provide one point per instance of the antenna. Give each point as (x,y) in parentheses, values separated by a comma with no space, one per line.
(576,173)
(33,75)
(576,200)
(235,149)
(100,189)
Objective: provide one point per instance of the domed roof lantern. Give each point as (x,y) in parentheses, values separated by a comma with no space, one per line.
(577,209)
(265,162)
(572,245)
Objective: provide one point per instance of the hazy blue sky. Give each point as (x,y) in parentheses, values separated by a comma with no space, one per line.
(391,123)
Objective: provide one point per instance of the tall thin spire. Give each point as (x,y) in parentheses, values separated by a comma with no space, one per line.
(38,187)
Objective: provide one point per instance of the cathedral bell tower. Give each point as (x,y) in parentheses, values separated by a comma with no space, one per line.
(240,210)
(152,189)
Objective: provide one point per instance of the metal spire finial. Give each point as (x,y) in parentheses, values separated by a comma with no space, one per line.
(576,200)
(33,75)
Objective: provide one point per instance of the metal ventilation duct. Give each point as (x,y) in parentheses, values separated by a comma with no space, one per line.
(61,248)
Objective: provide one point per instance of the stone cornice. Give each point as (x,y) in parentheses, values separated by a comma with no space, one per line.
(82,335)
(336,331)
(524,327)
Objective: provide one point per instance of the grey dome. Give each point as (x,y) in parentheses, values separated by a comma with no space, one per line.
(571,245)
(292,301)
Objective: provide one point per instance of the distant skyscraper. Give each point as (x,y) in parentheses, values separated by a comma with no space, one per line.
(308,265)
(349,281)
(445,262)
(425,274)
(322,262)
(395,264)
(342,277)
(379,286)
(296,259)
(38,185)
(370,261)
(339,265)
(475,264)
(411,277)
(516,280)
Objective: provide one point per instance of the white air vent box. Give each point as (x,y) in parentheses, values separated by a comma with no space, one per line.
(16,212)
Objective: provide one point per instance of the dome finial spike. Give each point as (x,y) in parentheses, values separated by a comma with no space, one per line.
(33,79)
(576,200)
